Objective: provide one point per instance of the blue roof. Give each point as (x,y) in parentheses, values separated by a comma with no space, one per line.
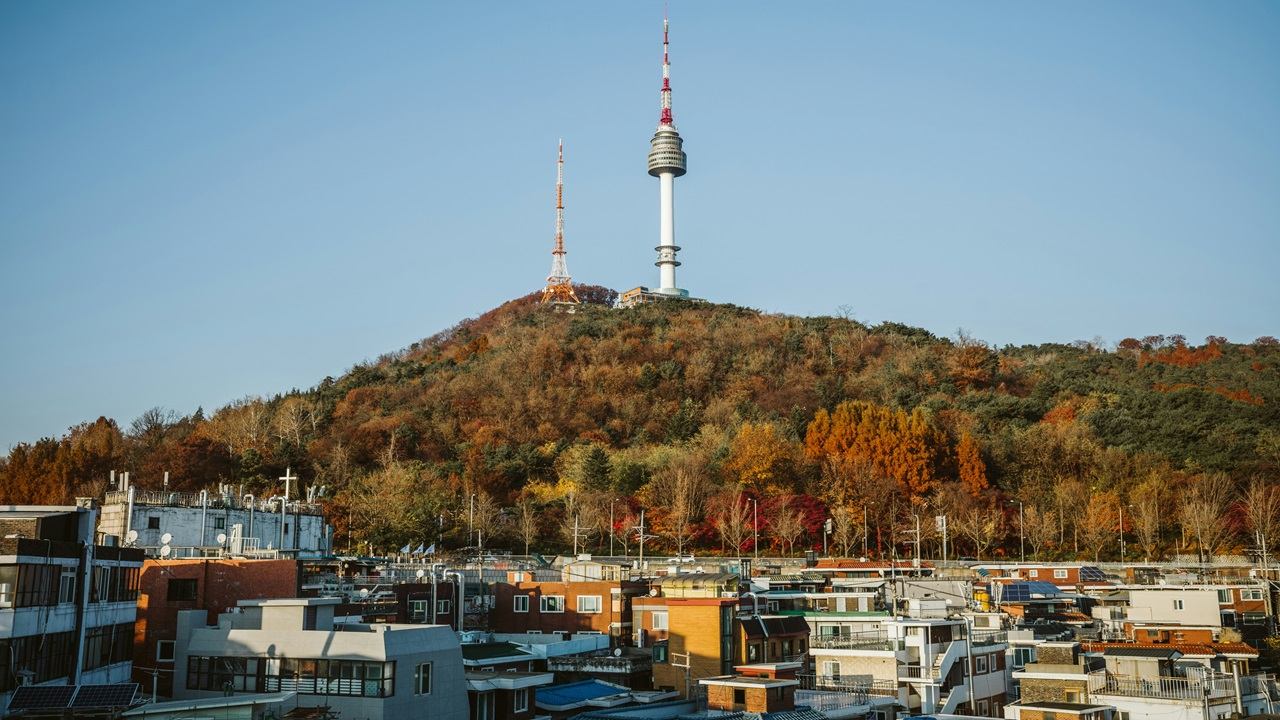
(1014,592)
(577,692)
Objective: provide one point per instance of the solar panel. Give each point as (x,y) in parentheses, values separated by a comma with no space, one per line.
(106,696)
(1014,592)
(1091,574)
(41,697)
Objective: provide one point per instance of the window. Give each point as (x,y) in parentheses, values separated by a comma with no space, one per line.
(739,696)
(660,652)
(164,651)
(418,610)
(67,585)
(1060,574)
(1022,656)
(181,589)
(831,670)
(442,607)
(219,523)
(520,604)
(551,603)
(1254,618)
(1033,573)
(484,706)
(588,603)
(1177,605)
(520,701)
(107,645)
(1224,597)
(980,665)
(660,620)
(422,679)
(1253,594)
(983,708)
(153,522)
(353,678)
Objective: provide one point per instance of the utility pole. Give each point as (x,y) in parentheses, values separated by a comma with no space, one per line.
(865,534)
(941,522)
(471,518)
(1022,535)
(1122,532)
(642,536)
(755,528)
(611,528)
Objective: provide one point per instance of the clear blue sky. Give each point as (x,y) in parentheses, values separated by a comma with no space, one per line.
(203,200)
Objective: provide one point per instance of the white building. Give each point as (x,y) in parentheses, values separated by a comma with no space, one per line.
(67,606)
(931,662)
(1174,605)
(359,671)
(213,523)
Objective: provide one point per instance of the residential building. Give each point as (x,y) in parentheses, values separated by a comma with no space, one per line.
(771,639)
(755,688)
(1059,674)
(1066,576)
(689,627)
(214,522)
(213,585)
(931,662)
(1173,605)
(292,645)
(67,605)
(567,605)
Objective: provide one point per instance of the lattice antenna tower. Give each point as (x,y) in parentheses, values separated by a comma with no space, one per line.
(559,288)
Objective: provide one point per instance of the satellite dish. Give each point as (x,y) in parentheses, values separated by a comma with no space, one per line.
(222,538)
(421,574)
(131,536)
(166,551)
(617,652)
(364,592)
(166,538)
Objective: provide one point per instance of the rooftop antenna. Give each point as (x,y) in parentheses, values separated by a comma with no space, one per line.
(559,288)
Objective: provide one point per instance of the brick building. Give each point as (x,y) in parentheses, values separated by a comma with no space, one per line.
(214,585)
(523,605)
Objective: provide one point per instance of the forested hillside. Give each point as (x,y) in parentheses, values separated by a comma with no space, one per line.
(693,411)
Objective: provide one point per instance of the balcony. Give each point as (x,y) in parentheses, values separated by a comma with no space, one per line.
(916,672)
(857,641)
(1164,687)
(864,688)
(996,637)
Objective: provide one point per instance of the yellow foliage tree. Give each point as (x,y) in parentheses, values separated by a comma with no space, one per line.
(760,457)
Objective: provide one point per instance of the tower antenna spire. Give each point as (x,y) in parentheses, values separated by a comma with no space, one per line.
(664,117)
(559,287)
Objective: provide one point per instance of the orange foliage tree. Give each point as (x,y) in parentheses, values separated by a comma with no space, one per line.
(900,445)
(973,471)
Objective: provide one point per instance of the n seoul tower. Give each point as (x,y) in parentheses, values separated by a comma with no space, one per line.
(667,162)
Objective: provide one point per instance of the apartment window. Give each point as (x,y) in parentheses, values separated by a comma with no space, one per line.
(422,679)
(660,652)
(418,610)
(286,528)
(1177,604)
(1254,594)
(442,607)
(980,665)
(1254,618)
(520,604)
(551,603)
(739,696)
(302,675)
(484,706)
(1224,597)
(219,523)
(164,651)
(67,585)
(588,603)
(660,620)
(153,522)
(181,589)
(520,701)
(983,708)
(1060,574)
(831,670)
(1022,656)
(1033,573)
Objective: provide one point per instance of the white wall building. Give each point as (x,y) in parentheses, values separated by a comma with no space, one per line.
(67,606)
(1175,606)
(360,671)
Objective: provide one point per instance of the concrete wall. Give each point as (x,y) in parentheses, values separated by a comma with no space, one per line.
(1199,607)
(194,527)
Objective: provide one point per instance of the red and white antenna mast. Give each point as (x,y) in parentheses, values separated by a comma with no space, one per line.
(559,288)
(665,117)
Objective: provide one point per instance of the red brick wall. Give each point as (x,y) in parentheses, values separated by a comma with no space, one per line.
(506,620)
(220,583)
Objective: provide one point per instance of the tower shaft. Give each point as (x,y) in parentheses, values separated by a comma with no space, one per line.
(667,161)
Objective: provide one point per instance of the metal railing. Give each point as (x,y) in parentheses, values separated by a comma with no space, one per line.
(833,683)
(1164,687)
(856,641)
(215,501)
(989,637)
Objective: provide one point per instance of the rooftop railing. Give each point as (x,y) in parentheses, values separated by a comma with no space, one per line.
(165,498)
(856,641)
(832,683)
(1102,682)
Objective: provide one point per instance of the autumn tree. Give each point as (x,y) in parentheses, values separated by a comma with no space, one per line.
(528,521)
(980,525)
(973,471)
(1101,525)
(848,529)
(760,457)
(731,517)
(786,523)
(900,445)
(1202,514)
(1148,508)
(1261,510)
(1040,528)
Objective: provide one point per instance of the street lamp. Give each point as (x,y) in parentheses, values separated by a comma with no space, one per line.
(1121,532)
(1022,535)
